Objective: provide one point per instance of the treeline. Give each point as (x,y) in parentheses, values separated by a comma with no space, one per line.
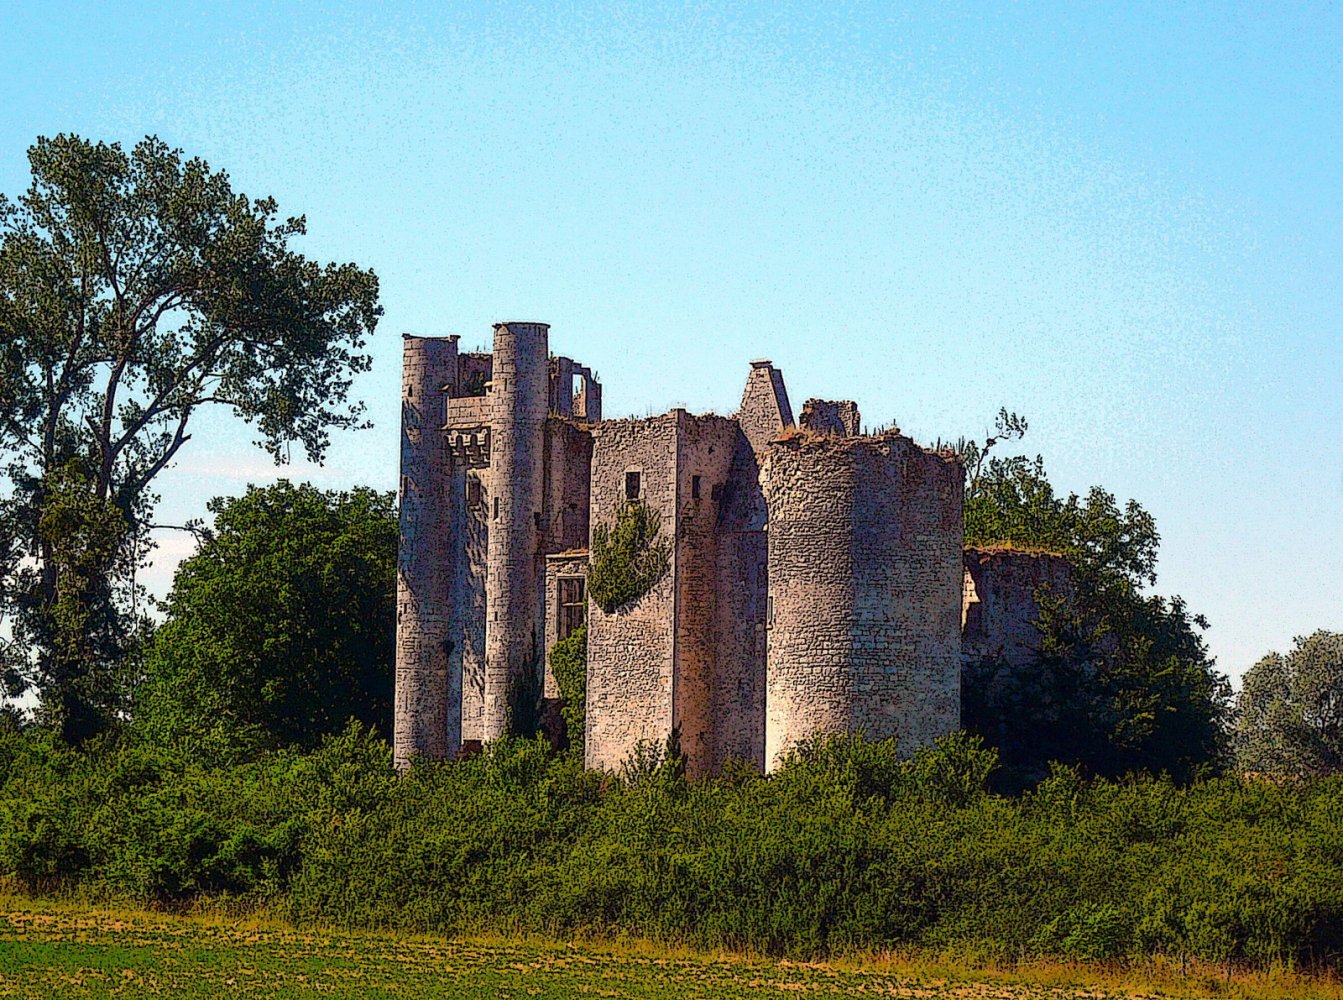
(846,848)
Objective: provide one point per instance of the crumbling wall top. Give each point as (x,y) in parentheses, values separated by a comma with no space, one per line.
(832,416)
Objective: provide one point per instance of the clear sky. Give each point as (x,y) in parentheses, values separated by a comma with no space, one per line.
(1123,221)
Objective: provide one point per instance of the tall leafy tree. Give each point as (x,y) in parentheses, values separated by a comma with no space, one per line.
(1124,680)
(137,288)
(281,627)
(1289,718)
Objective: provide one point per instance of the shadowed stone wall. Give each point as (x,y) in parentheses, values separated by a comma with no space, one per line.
(999,610)
(705,448)
(743,585)
(476,543)
(427,721)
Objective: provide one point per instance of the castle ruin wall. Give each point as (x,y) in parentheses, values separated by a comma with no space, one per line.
(427,722)
(999,607)
(588,401)
(560,566)
(519,403)
(705,448)
(743,586)
(476,555)
(831,416)
(632,649)
(865,580)
(765,411)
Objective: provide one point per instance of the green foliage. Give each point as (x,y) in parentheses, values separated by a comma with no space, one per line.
(1006,427)
(87,627)
(628,558)
(523,699)
(569,665)
(1124,681)
(846,847)
(1290,710)
(280,628)
(136,288)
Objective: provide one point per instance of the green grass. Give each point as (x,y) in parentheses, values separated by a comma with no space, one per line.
(53,950)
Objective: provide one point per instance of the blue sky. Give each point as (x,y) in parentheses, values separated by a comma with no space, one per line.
(1125,222)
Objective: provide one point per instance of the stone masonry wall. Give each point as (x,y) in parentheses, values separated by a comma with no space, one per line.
(587,405)
(765,410)
(865,585)
(831,416)
(999,610)
(564,514)
(519,396)
(476,557)
(566,485)
(474,371)
(427,721)
(705,446)
(631,651)
(560,564)
(743,586)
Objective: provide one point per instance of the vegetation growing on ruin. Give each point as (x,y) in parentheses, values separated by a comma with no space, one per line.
(1124,681)
(846,849)
(569,664)
(627,558)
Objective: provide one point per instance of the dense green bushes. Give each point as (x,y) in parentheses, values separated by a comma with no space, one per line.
(287,575)
(569,664)
(847,847)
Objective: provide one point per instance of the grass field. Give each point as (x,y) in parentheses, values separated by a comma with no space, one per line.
(50,949)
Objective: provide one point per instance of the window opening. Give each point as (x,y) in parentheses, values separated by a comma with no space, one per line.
(633,485)
(694,487)
(573,602)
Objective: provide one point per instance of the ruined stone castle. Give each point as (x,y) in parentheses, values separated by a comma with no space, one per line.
(816,580)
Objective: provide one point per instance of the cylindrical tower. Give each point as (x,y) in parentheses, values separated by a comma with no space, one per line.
(864,591)
(428,713)
(514,644)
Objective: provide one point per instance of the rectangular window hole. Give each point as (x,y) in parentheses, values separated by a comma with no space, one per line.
(694,487)
(573,604)
(633,485)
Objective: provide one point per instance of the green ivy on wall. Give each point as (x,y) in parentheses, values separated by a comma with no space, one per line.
(627,558)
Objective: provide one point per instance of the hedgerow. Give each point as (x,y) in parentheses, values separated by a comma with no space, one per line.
(847,847)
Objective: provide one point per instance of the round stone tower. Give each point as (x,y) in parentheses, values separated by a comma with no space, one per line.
(863,614)
(514,644)
(428,715)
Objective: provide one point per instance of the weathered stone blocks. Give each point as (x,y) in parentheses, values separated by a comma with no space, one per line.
(428,697)
(814,582)
(864,590)
(514,632)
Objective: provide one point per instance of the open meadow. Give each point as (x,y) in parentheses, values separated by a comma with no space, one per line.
(59,950)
